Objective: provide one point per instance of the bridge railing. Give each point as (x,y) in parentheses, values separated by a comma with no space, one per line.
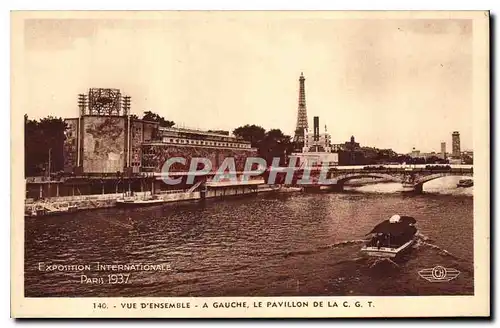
(403,170)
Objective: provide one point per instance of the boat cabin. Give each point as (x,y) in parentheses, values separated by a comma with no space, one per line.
(393,233)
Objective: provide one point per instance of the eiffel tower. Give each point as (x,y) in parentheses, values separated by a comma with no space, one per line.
(301,115)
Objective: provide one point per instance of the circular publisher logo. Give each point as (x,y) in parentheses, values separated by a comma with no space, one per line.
(438,272)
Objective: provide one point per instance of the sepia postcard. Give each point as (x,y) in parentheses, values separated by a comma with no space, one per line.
(250,164)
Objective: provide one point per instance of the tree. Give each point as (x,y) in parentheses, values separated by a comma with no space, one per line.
(270,144)
(434,160)
(275,144)
(252,133)
(404,159)
(40,137)
(150,116)
(467,160)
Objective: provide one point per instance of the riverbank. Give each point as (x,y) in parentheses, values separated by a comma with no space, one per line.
(65,204)
(58,205)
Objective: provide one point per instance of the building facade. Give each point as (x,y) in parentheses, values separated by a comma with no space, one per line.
(415,153)
(104,139)
(455,136)
(349,152)
(317,142)
(443,150)
(191,143)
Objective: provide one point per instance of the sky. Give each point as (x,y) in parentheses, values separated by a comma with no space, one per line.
(392,83)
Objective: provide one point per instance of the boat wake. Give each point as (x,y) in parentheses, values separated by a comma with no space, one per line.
(422,237)
(324,247)
(344,243)
(382,262)
(441,251)
(118,223)
(337,245)
(377,263)
(421,242)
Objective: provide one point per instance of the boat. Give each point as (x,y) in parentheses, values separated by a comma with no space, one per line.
(131,201)
(391,237)
(48,208)
(465,183)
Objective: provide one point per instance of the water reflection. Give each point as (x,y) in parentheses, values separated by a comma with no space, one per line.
(269,244)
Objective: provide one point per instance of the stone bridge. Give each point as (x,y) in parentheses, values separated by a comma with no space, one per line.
(413,178)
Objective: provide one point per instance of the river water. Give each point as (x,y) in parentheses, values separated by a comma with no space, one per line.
(275,244)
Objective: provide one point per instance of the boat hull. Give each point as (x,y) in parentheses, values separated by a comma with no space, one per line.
(139,203)
(465,183)
(386,252)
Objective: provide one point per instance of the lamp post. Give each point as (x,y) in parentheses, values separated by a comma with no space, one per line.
(50,160)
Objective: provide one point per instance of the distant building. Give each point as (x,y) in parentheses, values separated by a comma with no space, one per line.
(351,145)
(455,160)
(431,154)
(190,143)
(317,148)
(317,142)
(415,153)
(443,150)
(455,144)
(350,152)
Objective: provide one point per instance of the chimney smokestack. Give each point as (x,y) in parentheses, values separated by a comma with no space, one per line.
(316,128)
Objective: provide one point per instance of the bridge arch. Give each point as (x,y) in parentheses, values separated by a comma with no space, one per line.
(341,179)
(420,182)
